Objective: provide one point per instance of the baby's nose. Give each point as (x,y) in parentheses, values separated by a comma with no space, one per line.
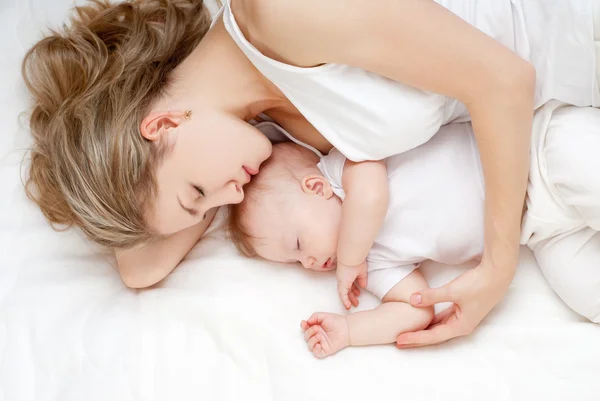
(309,262)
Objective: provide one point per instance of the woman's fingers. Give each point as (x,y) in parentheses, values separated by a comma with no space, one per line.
(474,293)
(432,296)
(443,315)
(436,335)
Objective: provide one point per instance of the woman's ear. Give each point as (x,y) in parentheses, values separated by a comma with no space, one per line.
(317,185)
(157,123)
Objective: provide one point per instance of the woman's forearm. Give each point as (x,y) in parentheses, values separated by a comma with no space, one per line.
(502,124)
(146,266)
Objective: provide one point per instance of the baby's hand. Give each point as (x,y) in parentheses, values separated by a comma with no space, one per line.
(346,276)
(326,333)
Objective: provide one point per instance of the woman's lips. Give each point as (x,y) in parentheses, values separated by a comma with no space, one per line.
(327,264)
(250,170)
(248,176)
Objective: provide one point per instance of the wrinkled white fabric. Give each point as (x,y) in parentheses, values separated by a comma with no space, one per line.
(563,203)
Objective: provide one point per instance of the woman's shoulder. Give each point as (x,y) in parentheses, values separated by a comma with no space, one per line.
(264,13)
(286,31)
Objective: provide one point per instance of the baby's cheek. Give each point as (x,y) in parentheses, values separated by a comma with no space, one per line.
(333,241)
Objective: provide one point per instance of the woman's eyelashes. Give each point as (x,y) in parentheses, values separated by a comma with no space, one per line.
(199,190)
(297,244)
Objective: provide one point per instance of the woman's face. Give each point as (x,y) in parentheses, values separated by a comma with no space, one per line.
(211,158)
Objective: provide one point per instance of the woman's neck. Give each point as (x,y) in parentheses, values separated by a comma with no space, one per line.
(218,75)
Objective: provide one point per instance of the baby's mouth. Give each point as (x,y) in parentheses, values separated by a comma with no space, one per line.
(327,264)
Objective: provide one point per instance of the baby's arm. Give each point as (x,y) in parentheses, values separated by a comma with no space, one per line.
(363,211)
(394,316)
(327,333)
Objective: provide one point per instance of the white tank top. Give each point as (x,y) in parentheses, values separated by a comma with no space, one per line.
(369,117)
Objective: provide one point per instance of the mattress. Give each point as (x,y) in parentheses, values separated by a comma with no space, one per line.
(223,327)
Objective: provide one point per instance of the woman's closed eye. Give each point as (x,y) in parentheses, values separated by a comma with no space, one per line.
(298,244)
(191,210)
(199,190)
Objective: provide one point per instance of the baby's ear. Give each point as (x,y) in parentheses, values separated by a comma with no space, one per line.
(317,185)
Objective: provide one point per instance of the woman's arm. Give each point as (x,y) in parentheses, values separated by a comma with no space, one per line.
(421,44)
(146,266)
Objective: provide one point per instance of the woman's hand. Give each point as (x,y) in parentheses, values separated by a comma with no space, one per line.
(473,294)
(145,266)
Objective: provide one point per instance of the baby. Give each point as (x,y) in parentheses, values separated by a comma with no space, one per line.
(385,217)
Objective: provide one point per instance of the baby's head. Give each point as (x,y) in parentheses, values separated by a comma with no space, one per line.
(290,213)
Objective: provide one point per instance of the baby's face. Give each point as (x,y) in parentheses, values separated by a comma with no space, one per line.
(301,227)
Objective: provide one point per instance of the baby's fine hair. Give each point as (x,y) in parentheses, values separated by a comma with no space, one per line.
(289,163)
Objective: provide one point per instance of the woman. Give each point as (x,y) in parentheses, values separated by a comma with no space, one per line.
(141,112)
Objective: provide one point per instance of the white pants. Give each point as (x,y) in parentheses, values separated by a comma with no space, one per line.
(562,222)
(597,39)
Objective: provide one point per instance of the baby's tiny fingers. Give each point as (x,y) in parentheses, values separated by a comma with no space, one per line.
(344,299)
(314,340)
(362,281)
(310,332)
(316,318)
(353,299)
(347,303)
(318,351)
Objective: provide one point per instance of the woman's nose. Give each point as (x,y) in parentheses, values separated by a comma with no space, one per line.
(234,193)
(309,262)
(230,194)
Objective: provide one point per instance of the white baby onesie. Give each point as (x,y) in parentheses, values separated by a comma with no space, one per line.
(436,206)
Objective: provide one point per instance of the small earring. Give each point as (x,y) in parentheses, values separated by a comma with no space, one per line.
(187,115)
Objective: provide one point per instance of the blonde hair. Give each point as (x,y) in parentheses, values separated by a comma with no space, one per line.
(288,163)
(92,84)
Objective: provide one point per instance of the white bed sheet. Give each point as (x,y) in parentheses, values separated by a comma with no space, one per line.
(225,328)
